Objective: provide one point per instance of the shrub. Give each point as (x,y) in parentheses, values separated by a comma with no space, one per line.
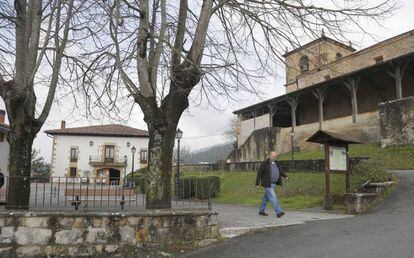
(198,187)
(139,181)
(143,170)
(369,171)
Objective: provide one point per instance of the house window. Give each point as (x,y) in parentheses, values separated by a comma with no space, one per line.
(90,143)
(304,64)
(128,144)
(109,153)
(74,154)
(144,156)
(379,59)
(72,172)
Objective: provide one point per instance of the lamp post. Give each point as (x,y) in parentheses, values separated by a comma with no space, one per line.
(125,163)
(292,134)
(133,150)
(178,136)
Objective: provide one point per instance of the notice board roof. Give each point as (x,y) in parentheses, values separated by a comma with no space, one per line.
(324,136)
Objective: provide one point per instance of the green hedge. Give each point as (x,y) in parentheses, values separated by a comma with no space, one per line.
(198,187)
(190,187)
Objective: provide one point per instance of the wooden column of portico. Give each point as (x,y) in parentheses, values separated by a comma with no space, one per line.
(352,85)
(272,111)
(398,74)
(254,112)
(293,102)
(320,94)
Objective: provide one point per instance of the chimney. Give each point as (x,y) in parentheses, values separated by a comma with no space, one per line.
(63,124)
(2,116)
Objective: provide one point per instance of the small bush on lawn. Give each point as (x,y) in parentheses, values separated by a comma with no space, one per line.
(143,170)
(369,171)
(199,187)
(141,184)
(138,172)
(139,179)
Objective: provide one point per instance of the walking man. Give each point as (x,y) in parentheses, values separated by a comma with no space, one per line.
(1,179)
(268,176)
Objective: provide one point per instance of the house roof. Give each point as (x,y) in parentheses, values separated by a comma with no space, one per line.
(325,136)
(114,130)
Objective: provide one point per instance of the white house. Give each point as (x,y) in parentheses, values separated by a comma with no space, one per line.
(103,151)
(4,145)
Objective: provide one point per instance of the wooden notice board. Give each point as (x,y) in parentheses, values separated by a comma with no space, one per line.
(336,158)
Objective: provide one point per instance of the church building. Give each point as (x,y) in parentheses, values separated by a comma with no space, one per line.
(329,86)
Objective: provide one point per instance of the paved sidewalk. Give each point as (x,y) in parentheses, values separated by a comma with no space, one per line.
(236,220)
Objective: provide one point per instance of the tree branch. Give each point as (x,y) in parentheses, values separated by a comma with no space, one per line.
(57,64)
(155,58)
(179,38)
(197,48)
(143,68)
(132,88)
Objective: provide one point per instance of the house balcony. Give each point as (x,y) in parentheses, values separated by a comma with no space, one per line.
(98,161)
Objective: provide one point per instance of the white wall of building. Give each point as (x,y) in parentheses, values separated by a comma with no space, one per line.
(249,126)
(4,156)
(63,144)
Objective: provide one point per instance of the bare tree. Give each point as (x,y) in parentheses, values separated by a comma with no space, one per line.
(232,131)
(163,51)
(185,154)
(33,37)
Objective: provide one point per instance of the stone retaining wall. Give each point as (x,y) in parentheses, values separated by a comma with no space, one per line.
(138,234)
(312,165)
(397,122)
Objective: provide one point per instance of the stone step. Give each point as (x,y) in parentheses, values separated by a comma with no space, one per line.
(231,232)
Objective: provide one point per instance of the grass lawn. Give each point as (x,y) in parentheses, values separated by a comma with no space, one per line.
(300,191)
(391,157)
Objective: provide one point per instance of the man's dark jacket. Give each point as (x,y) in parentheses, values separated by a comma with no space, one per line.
(1,179)
(263,175)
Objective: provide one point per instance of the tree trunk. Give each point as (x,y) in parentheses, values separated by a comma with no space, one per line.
(161,144)
(20,138)
(162,126)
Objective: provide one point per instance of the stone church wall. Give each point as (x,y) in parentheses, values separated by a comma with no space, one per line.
(257,146)
(397,122)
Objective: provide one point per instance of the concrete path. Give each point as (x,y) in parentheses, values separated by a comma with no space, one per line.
(236,220)
(386,231)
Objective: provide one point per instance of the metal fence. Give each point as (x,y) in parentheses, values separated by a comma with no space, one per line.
(103,194)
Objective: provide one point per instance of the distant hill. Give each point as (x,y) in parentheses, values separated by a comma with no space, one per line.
(210,154)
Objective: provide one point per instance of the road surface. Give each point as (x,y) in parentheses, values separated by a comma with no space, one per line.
(386,231)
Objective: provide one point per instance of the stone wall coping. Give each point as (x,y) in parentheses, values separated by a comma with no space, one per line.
(146,213)
(381,184)
(362,194)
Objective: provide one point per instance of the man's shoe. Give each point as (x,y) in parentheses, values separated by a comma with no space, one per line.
(262,213)
(280,214)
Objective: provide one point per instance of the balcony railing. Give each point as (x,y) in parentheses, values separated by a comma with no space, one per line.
(99,160)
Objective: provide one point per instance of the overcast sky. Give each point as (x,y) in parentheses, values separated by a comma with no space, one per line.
(204,126)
